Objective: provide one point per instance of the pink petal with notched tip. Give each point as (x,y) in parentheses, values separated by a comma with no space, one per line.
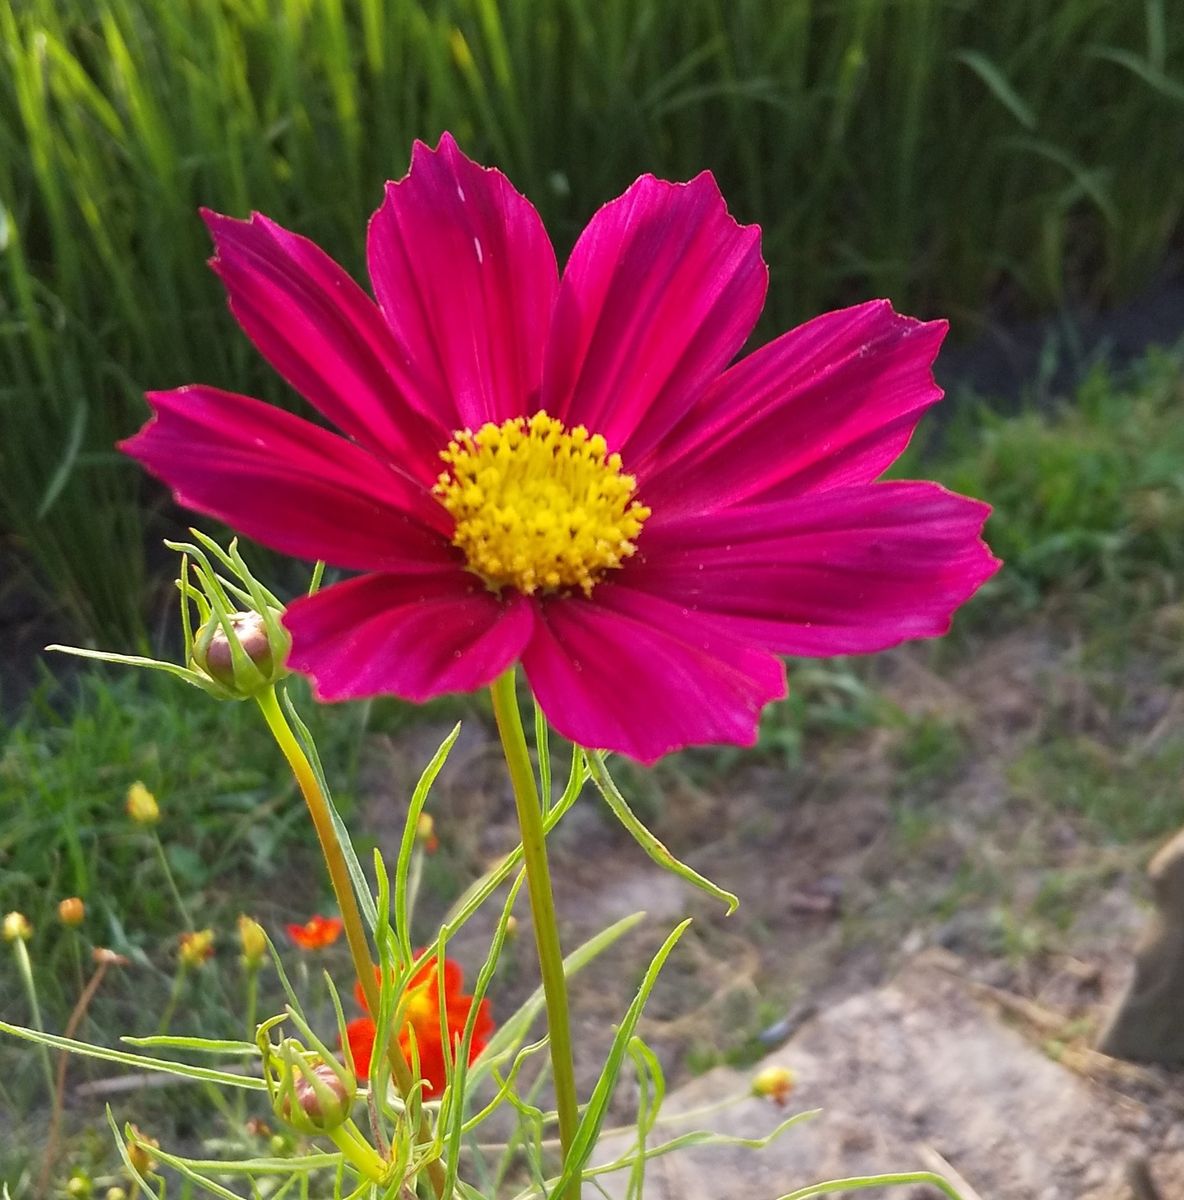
(829,404)
(661,291)
(410,636)
(466,277)
(288,483)
(846,571)
(326,337)
(642,676)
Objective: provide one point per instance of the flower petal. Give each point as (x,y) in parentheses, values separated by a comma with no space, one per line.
(361,1034)
(846,571)
(466,277)
(643,676)
(326,337)
(288,483)
(661,291)
(831,403)
(409,636)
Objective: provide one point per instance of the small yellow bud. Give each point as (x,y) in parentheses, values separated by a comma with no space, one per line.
(511,927)
(137,1151)
(79,1186)
(17,927)
(253,941)
(425,831)
(141,805)
(71,911)
(115,1193)
(774,1083)
(196,948)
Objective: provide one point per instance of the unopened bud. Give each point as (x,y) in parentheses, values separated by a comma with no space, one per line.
(138,1151)
(101,955)
(312,1093)
(511,926)
(425,831)
(322,1097)
(79,1186)
(196,948)
(141,805)
(17,927)
(71,911)
(115,1193)
(264,651)
(774,1083)
(253,941)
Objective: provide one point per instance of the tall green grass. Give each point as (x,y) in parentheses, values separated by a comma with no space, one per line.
(937,151)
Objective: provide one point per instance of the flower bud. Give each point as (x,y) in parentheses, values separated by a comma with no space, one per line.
(425,831)
(258,1127)
(17,927)
(101,955)
(141,805)
(196,948)
(264,646)
(774,1083)
(312,1093)
(71,911)
(253,941)
(115,1193)
(79,1186)
(137,1151)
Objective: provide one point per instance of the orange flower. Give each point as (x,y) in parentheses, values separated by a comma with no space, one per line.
(421,1023)
(316,933)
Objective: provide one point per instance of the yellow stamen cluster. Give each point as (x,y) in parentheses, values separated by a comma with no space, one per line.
(539,507)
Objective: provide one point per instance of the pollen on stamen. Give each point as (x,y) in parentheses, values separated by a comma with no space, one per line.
(537,506)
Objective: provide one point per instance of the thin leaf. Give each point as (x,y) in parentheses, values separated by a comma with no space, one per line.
(139,1061)
(652,845)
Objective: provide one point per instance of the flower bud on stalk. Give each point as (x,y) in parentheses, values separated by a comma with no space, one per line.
(17,927)
(774,1083)
(141,805)
(138,1151)
(71,911)
(237,650)
(425,831)
(311,1092)
(253,941)
(196,948)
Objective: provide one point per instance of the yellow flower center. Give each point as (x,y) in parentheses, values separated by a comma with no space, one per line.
(539,507)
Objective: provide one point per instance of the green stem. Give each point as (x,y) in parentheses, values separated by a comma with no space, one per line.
(168,874)
(252,1001)
(171,1007)
(25,969)
(347,902)
(349,1140)
(542,906)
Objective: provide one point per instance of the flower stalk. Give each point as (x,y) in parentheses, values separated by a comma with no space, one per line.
(542,906)
(17,931)
(355,930)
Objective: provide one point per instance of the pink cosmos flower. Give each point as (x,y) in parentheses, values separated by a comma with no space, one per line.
(564,471)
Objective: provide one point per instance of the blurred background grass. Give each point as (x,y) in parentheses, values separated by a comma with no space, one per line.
(964,158)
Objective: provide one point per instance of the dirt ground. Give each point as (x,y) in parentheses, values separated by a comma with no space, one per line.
(888,859)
